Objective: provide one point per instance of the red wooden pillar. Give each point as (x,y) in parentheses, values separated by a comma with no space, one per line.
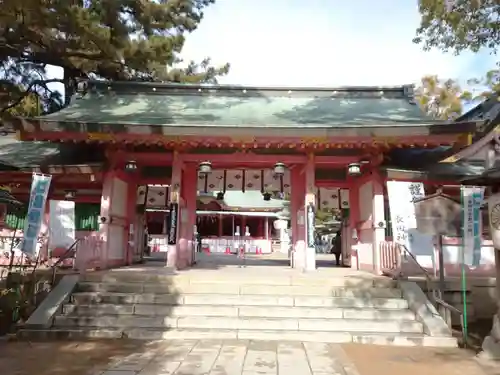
(220,222)
(188,215)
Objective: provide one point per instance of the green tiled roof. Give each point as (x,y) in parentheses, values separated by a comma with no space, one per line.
(20,154)
(25,154)
(227,106)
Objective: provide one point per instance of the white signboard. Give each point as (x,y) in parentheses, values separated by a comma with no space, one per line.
(61,224)
(402,195)
(36,212)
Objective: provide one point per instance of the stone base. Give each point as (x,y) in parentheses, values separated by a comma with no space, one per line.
(491,344)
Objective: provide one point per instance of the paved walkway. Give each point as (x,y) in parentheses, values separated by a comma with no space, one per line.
(214,357)
(236,358)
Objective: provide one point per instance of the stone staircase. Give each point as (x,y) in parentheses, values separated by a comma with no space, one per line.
(135,305)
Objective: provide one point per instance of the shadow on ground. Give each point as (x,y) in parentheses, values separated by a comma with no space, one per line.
(61,358)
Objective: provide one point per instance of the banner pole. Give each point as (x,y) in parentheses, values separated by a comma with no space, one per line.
(463,273)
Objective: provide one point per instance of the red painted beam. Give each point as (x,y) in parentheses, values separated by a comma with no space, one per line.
(336,160)
(144,158)
(203,140)
(240,158)
(244,159)
(59,197)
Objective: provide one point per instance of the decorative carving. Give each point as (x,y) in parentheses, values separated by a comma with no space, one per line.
(243,140)
(100,137)
(315,140)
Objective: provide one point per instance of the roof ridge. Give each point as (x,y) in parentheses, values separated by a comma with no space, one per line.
(139,86)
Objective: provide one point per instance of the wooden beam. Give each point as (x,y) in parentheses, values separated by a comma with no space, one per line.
(333,184)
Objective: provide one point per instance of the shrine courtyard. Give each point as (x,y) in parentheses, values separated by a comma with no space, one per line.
(190,357)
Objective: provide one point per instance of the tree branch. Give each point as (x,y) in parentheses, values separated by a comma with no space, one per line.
(28,91)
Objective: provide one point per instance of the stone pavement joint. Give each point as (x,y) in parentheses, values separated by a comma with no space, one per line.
(215,357)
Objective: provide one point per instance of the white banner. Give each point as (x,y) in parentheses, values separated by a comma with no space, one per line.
(61,224)
(36,211)
(472,198)
(402,195)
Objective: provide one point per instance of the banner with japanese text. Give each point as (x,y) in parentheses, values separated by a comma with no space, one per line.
(402,195)
(36,211)
(472,198)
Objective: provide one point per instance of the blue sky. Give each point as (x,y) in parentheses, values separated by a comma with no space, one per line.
(322,43)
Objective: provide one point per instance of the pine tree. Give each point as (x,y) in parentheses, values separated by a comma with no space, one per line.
(463,25)
(107,39)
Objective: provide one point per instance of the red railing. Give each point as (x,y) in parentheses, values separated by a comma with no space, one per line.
(390,256)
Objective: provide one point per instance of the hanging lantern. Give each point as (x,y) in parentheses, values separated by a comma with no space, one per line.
(205,168)
(354,169)
(220,196)
(279,169)
(130,166)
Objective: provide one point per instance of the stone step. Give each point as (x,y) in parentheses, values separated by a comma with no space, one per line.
(287,290)
(236,278)
(374,338)
(235,323)
(237,300)
(242,311)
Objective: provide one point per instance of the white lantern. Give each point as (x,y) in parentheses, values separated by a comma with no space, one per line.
(130,166)
(280,224)
(279,169)
(205,167)
(354,169)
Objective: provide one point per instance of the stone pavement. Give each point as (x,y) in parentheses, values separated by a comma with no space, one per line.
(215,357)
(209,357)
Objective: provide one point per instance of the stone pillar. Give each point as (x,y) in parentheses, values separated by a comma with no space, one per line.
(284,238)
(175,198)
(378,220)
(491,344)
(131,229)
(310,209)
(187,216)
(298,188)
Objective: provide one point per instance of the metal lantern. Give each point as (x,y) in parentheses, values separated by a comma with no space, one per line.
(354,169)
(220,196)
(70,194)
(284,214)
(279,169)
(130,166)
(205,167)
